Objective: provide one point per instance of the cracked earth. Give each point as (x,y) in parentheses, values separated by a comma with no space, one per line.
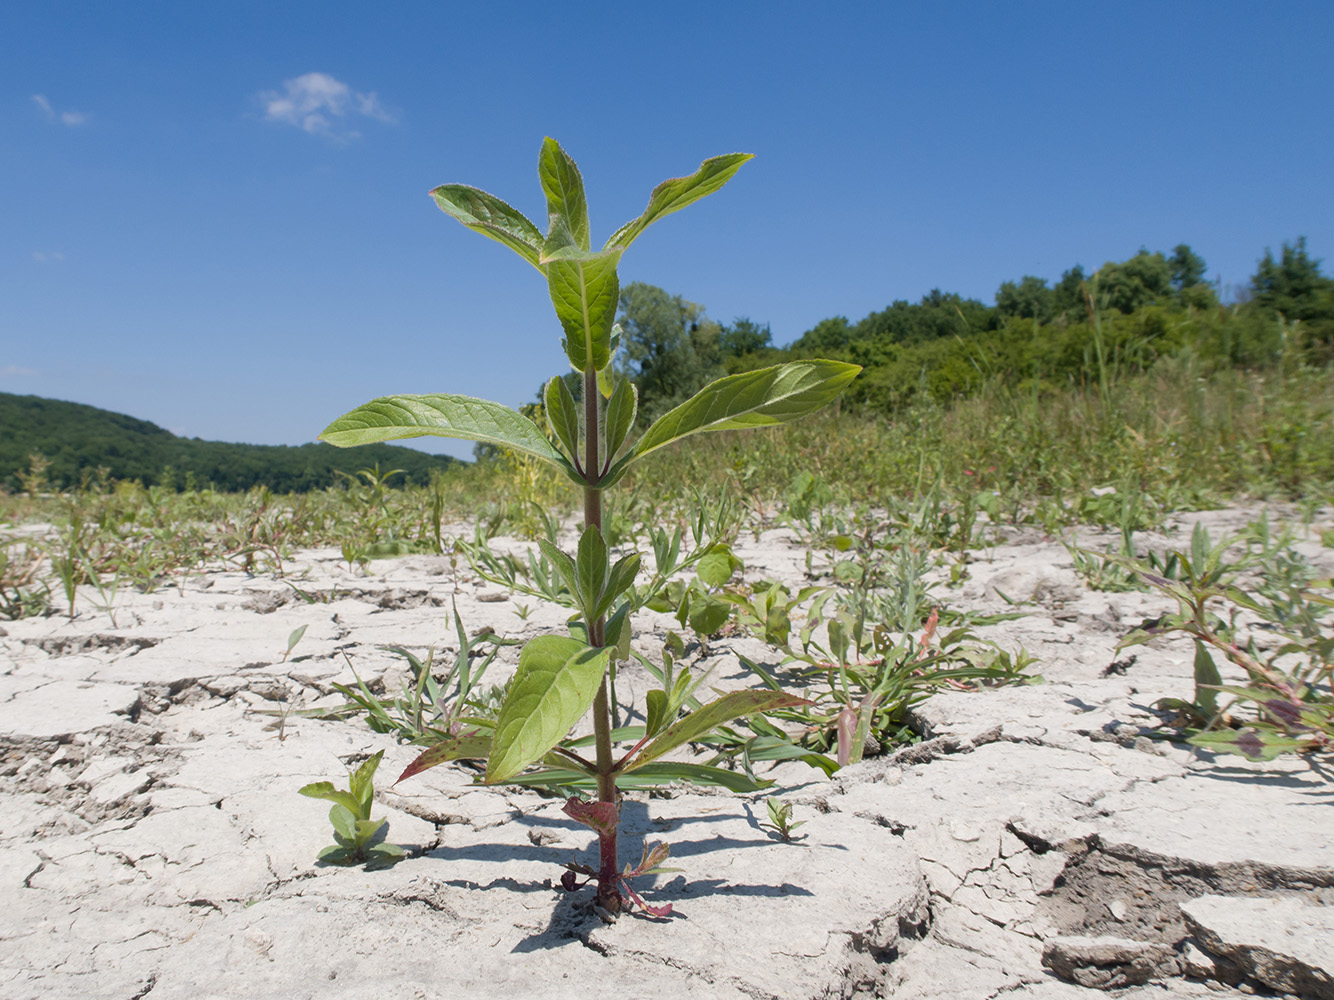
(1036,844)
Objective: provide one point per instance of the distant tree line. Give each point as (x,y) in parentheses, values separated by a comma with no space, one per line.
(78,440)
(1125,314)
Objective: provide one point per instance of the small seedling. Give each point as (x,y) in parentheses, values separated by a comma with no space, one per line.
(293,639)
(590,443)
(780,819)
(358,838)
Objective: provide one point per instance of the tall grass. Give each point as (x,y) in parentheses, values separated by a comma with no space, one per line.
(1177,437)
(1189,438)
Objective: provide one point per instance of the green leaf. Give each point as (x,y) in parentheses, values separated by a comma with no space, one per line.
(563,415)
(621,578)
(618,629)
(564,565)
(557,680)
(344,822)
(564,188)
(661,772)
(717,565)
(585,291)
(295,637)
(368,828)
(708,614)
(750,399)
(591,568)
(678,192)
(468,747)
(391,418)
(336,854)
(763,748)
(709,717)
(326,790)
(655,714)
(1206,678)
(1247,742)
(620,419)
(361,784)
(384,855)
(486,214)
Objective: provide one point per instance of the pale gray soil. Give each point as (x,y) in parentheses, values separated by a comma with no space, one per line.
(1036,845)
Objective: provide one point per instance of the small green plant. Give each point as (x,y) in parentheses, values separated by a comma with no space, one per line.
(1288,685)
(357,838)
(296,636)
(591,444)
(780,819)
(21,594)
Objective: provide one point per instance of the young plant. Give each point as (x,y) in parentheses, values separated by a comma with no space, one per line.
(591,444)
(780,819)
(358,838)
(1290,686)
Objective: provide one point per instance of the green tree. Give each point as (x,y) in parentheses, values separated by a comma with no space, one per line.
(1292,285)
(669,348)
(1187,267)
(1067,298)
(744,337)
(1131,284)
(1029,299)
(827,335)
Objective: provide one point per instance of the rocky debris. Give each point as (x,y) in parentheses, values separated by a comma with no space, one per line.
(1036,844)
(1106,963)
(1286,943)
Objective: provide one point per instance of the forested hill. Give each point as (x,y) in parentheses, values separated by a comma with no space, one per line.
(78,440)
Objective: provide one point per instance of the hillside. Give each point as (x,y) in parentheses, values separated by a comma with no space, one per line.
(79,439)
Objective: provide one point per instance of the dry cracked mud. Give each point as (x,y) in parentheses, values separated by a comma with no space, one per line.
(1036,844)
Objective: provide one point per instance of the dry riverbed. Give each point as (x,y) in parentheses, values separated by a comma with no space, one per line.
(1037,844)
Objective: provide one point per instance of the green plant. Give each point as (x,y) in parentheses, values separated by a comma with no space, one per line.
(560,678)
(1289,683)
(21,594)
(357,837)
(780,819)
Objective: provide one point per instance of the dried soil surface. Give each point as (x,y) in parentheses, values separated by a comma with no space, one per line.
(1037,844)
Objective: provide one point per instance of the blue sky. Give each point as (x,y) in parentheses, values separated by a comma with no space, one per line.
(215,216)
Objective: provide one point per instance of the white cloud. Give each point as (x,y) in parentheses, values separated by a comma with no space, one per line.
(70,118)
(16,370)
(321,105)
(43,257)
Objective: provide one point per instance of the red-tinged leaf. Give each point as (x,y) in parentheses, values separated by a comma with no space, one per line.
(470,746)
(652,911)
(847,723)
(601,817)
(709,717)
(652,857)
(1248,743)
(1288,713)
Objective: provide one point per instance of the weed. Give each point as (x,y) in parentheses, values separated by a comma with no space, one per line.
(1288,685)
(560,678)
(780,819)
(357,837)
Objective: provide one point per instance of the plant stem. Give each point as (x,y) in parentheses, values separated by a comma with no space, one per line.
(608,897)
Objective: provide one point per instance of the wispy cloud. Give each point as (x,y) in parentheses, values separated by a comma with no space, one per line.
(321,105)
(47,256)
(70,118)
(8,370)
